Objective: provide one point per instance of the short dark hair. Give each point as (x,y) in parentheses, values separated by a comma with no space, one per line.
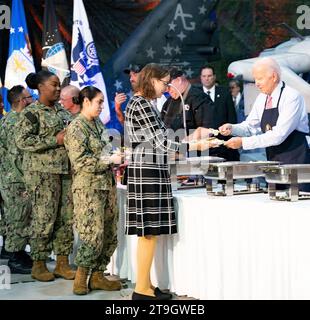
(207,66)
(14,93)
(34,79)
(236,81)
(89,92)
(149,72)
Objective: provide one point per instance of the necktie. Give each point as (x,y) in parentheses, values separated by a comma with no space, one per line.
(269,102)
(209,94)
(235,101)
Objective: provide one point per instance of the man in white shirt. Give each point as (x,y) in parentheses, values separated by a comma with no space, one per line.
(278,120)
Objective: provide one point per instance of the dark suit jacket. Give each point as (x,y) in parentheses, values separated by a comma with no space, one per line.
(224,106)
(240,110)
(199,111)
(224,112)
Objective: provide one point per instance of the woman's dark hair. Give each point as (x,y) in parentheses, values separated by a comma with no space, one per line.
(89,92)
(14,93)
(34,79)
(149,72)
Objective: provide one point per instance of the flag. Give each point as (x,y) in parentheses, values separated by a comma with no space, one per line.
(1,101)
(1,89)
(85,69)
(20,60)
(54,53)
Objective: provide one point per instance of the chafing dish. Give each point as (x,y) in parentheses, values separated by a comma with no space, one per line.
(227,172)
(289,175)
(192,166)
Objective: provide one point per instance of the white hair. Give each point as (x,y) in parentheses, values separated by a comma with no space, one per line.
(70,90)
(270,64)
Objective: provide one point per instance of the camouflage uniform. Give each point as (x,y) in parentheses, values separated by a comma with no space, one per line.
(17,205)
(46,172)
(2,223)
(94,192)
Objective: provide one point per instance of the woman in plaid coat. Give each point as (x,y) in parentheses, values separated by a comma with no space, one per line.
(150,210)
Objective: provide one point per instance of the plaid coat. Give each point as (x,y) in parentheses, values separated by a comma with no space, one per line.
(150,208)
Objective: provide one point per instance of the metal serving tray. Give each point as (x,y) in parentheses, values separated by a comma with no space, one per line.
(290,175)
(283,174)
(237,170)
(196,165)
(226,173)
(192,166)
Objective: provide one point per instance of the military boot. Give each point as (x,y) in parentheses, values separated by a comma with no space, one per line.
(40,272)
(63,269)
(17,265)
(80,281)
(25,258)
(99,282)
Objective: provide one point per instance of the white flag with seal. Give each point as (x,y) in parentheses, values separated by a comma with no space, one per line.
(85,69)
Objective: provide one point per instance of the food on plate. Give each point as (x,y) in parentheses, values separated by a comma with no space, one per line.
(205,144)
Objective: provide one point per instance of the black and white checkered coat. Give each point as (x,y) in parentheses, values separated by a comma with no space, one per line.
(150,208)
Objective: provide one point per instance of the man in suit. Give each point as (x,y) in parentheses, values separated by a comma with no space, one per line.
(238,99)
(223,109)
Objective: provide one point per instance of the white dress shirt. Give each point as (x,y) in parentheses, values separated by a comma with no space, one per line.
(160,102)
(292,116)
(238,98)
(212,92)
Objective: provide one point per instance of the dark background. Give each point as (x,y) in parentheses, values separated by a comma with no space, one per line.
(245,27)
(111,23)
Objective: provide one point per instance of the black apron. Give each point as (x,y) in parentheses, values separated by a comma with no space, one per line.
(294,149)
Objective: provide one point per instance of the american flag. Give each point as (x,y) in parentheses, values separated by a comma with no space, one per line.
(85,68)
(79,68)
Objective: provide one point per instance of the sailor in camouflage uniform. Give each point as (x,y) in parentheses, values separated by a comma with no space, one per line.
(40,134)
(2,224)
(17,205)
(94,193)
(3,254)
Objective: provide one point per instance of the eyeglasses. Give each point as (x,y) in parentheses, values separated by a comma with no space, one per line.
(164,82)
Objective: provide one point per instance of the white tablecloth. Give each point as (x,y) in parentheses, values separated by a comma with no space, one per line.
(240,247)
